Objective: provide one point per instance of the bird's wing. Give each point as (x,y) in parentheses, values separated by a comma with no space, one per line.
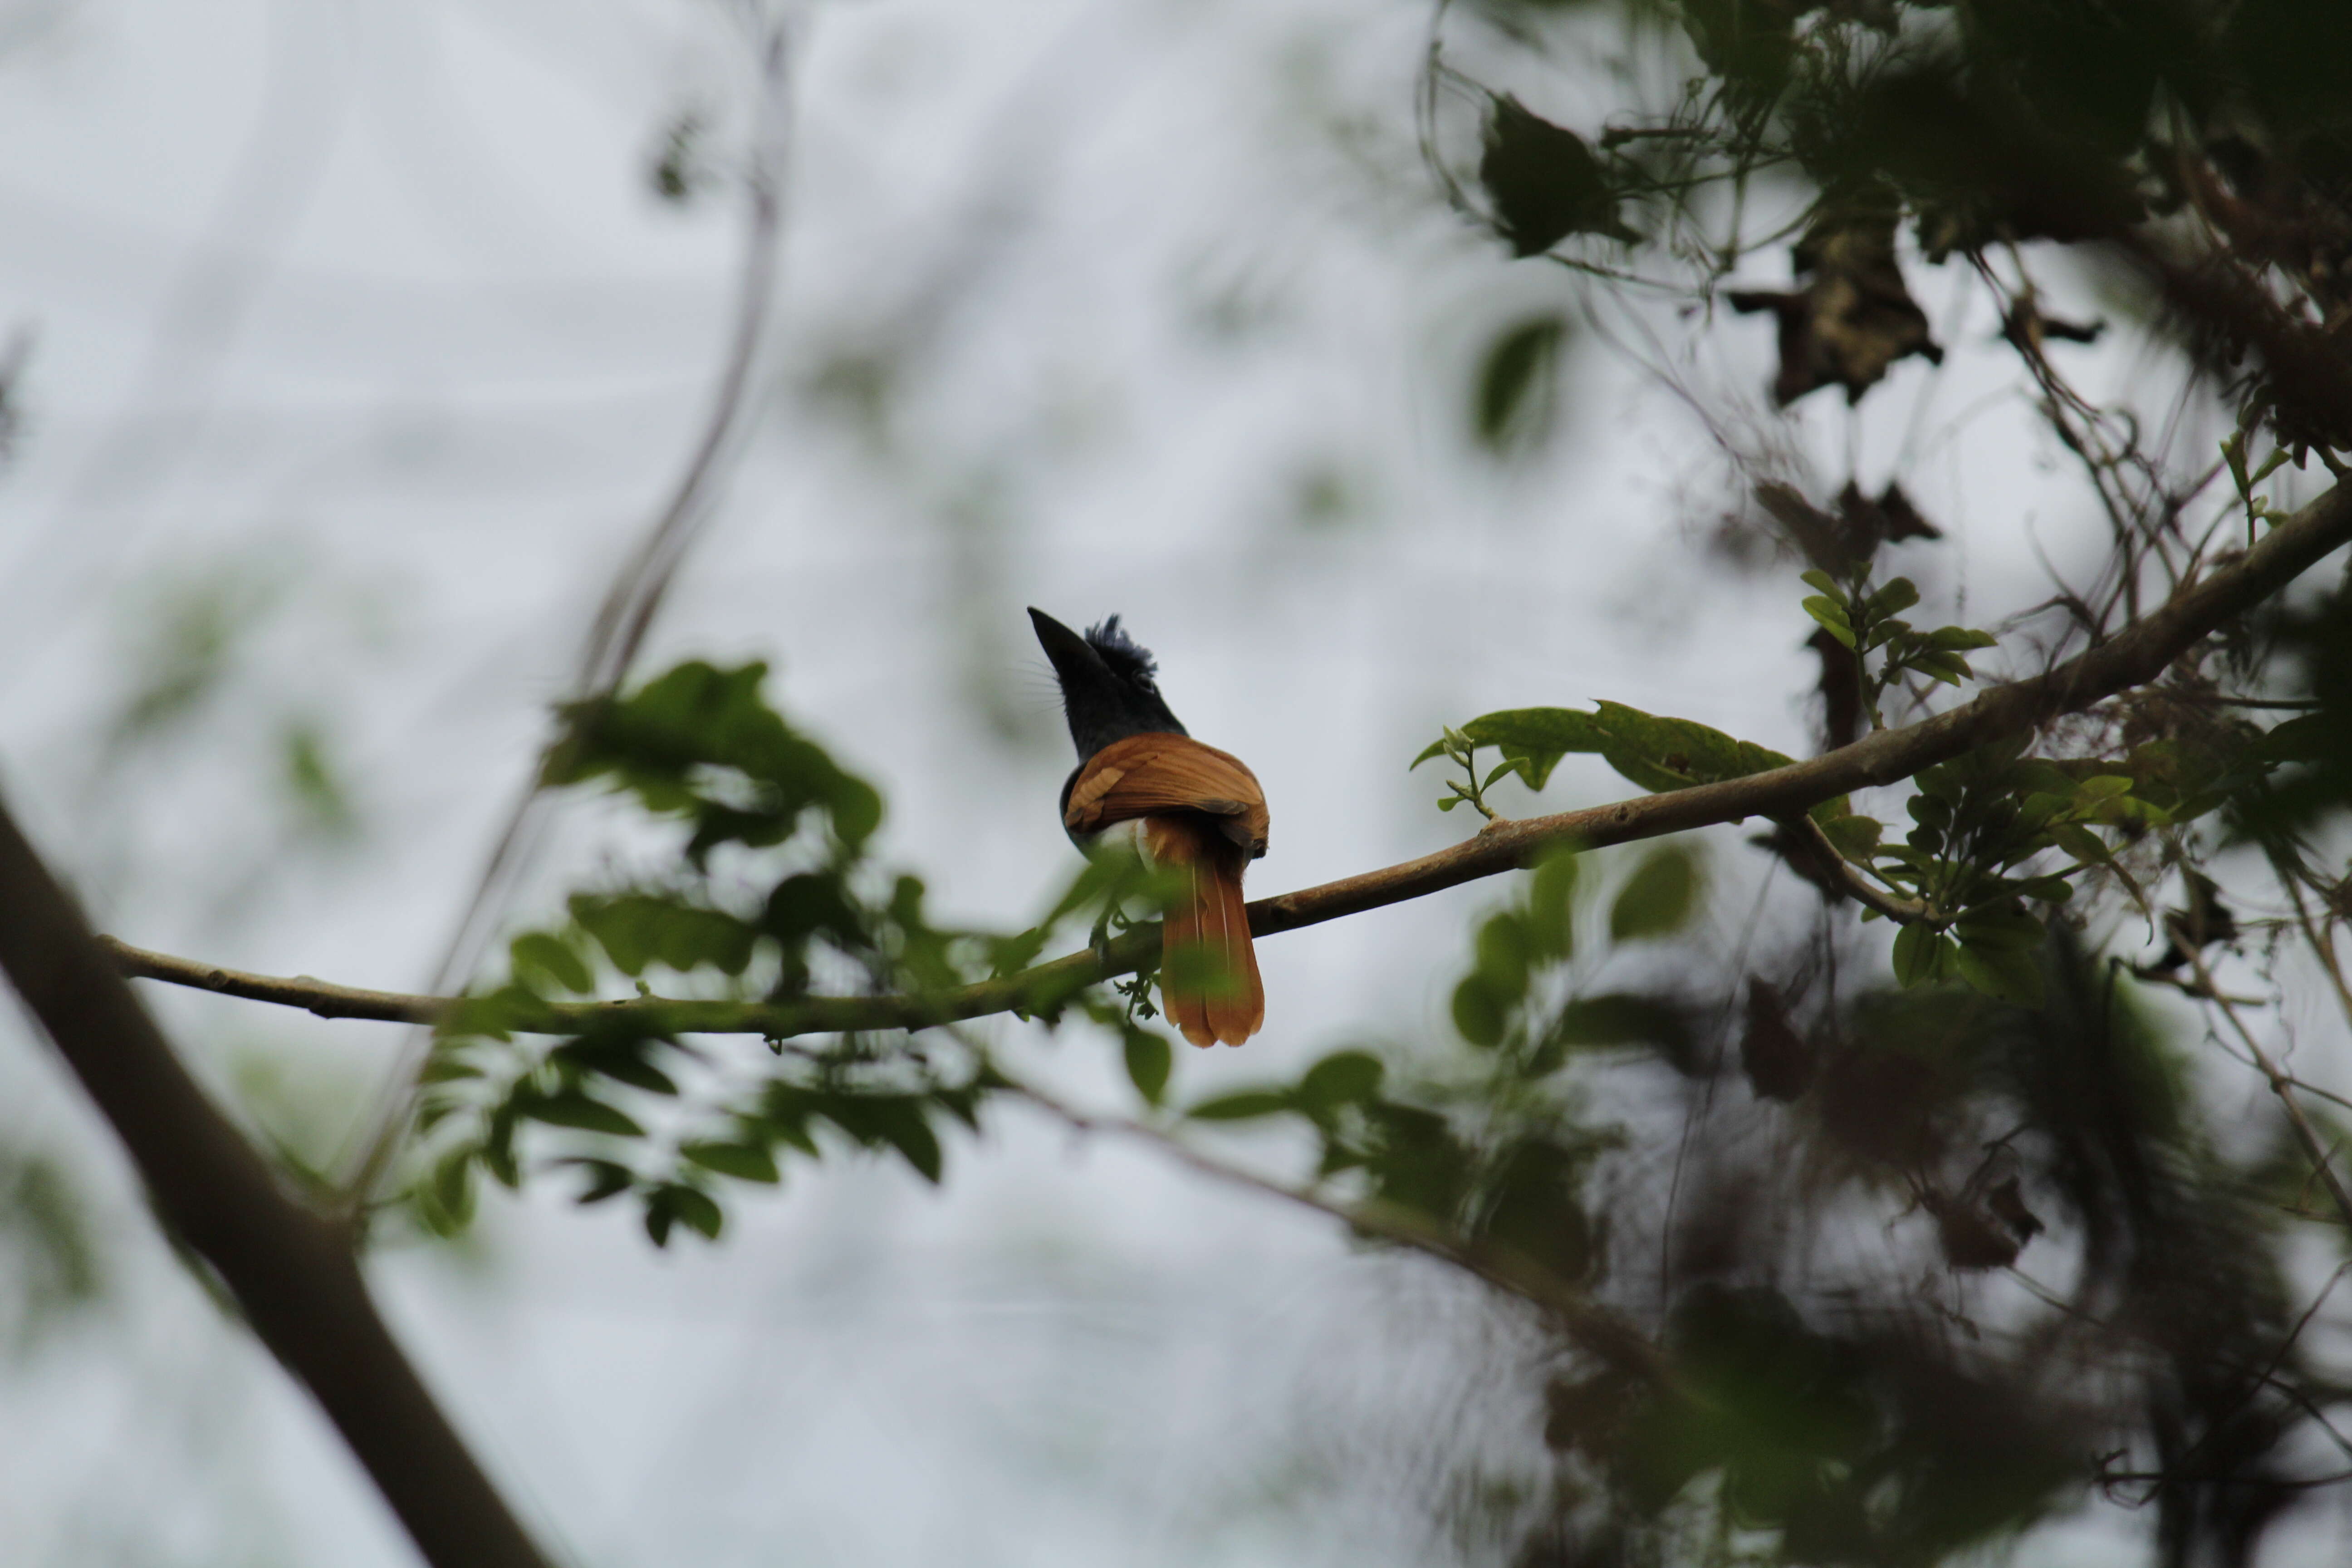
(1146,774)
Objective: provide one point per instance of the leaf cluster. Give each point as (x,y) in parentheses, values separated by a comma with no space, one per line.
(797,907)
(1657,753)
(1865,622)
(1972,127)
(1487,1143)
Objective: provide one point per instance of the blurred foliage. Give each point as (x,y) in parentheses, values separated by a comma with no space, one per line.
(1519,384)
(189,637)
(1989,1085)
(680,169)
(774,899)
(49,1255)
(1817,1404)
(1825,1404)
(1952,1238)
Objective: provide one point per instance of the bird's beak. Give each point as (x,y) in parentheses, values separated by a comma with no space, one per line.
(1075,664)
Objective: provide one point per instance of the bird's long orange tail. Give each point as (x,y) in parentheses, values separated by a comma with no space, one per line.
(1209,983)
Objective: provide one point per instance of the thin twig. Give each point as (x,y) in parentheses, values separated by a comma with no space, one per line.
(2322,943)
(637,591)
(1855,885)
(2281,1085)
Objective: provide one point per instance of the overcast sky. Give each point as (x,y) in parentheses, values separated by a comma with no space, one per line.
(360,338)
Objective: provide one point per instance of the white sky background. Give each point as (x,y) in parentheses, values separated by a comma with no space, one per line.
(363,316)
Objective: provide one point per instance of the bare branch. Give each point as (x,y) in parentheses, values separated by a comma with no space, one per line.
(291,1270)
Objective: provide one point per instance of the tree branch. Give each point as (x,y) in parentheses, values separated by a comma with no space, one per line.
(292,1270)
(2132,657)
(1849,878)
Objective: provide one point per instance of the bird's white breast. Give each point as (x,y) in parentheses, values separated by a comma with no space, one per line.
(1128,833)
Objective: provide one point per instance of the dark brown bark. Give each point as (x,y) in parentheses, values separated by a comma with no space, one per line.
(292,1270)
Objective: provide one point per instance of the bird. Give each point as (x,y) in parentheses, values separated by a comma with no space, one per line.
(1183,806)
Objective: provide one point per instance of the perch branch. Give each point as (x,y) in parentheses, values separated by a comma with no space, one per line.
(2130,658)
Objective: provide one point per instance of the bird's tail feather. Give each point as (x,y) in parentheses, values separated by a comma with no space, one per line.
(1208,983)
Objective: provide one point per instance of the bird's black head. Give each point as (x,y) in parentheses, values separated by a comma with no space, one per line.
(1107,691)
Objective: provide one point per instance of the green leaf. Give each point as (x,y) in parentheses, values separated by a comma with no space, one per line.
(1832,619)
(1855,837)
(744,1161)
(1654,752)
(2104,786)
(1149,1063)
(620,1058)
(1242,1105)
(1960,639)
(547,963)
(1504,955)
(2080,842)
(1661,753)
(2307,739)
(638,929)
(663,742)
(675,1202)
(1914,955)
(1531,1209)
(1656,898)
(1009,955)
(911,1135)
(2007,972)
(1828,585)
(1893,599)
(2002,928)
(810,904)
(1948,668)
(573,1108)
(453,1186)
(1479,1015)
(491,1015)
(1519,384)
(856,808)
(1551,904)
(1535,738)
(605,1180)
(1343,1077)
(1624,1019)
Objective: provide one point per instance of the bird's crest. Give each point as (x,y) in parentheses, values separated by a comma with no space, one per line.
(1127,659)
